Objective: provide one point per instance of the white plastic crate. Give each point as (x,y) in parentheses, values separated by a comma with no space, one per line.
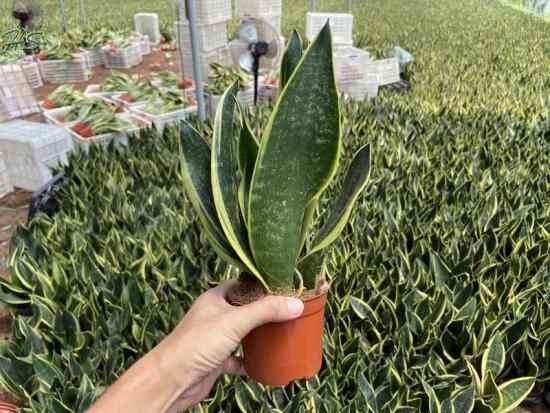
(274,21)
(147,24)
(56,116)
(16,95)
(124,103)
(341,25)
(64,71)
(86,56)
(31,149)
(106,138)
(258,8)
(211,36)
(5,183)
(267,93)
(124,58)
(165,118)
(94,56)
(190,92)
(245,97)
(360,89)
(210,11)
(387,70)
(220,55)
(350,63)
(32,71)
(95,90)
(145,45)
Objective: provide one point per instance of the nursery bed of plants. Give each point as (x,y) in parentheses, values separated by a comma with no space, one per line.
(440,283)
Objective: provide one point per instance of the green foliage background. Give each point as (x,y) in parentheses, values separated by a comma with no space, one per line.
(448,248)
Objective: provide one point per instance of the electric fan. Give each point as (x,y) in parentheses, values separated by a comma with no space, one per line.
(28,13)
(258,45)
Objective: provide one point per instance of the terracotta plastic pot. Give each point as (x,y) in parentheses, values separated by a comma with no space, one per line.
(8,408)
(276,354)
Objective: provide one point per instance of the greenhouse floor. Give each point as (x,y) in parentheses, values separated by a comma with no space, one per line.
(157,61)
(14,206)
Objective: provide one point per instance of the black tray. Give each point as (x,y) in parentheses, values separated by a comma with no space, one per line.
(45,199)
(401,86)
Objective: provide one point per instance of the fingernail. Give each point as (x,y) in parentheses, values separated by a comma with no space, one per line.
(295,307)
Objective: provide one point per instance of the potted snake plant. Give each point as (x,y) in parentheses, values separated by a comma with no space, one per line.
(257,201)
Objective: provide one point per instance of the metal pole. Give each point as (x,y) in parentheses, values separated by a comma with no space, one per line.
(189,6)
(313,5)
(350,5)
(63,17)
(83,15)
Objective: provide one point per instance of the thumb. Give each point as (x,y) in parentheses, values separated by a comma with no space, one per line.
(271,309)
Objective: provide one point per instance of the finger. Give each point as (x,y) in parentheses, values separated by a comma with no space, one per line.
(270,309)
(217,294)
(234,365)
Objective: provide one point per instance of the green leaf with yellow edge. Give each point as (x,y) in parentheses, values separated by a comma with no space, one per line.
(493,358)
(514,392)
(224,165)
(463,399)
(298,157)
(194,154)
(354,182)
(291,58)
(248,148)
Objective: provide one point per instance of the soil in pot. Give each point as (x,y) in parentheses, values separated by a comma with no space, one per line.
(276,354)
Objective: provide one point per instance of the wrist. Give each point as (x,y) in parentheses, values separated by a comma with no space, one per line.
(171,364)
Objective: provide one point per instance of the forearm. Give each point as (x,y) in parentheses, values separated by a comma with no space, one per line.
(152,384)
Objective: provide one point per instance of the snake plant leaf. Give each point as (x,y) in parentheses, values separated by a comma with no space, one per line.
(9,379)
(514,392)
(463,400)
(310,268)
(491,393)
(493,358)
(291,58)
(298,157)
(480,406)
(308,218)
(248,148)
(225,187)
(433,402)
(45,371)
(194,154)
(447,407)
(354,182)
(440,270)
(368,393)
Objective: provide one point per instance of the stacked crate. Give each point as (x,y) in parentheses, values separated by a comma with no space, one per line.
(32,71)
(212,18)
(30,149)
(122,58)
(387,70)
(5,184)
(269,11)
(341,25)
(16,95)
(350,70)
(64,71)
(94,56)
(245,98)
(147,24)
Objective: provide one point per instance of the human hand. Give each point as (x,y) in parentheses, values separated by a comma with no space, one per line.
(213,329)
(181,370)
